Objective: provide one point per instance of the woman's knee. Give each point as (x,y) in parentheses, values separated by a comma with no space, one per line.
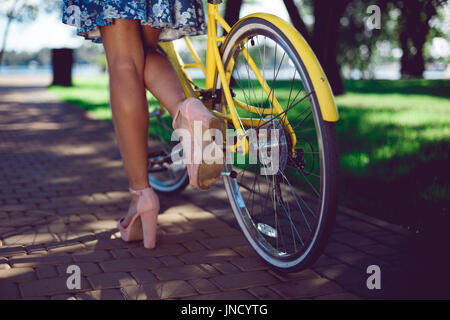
(123,47)
(125,66)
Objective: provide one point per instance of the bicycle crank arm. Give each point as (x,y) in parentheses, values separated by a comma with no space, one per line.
(232,174)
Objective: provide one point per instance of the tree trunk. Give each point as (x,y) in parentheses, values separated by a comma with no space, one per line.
(414,29)
(62,67)
(325,39)
(232,11)
(296,19)
(5,36)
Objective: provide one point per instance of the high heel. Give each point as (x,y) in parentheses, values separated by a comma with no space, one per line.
(143,222)
(202,175)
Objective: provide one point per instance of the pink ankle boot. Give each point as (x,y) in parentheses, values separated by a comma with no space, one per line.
(202,175)
(143,222)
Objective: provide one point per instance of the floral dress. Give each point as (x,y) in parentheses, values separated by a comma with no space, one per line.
(176,18)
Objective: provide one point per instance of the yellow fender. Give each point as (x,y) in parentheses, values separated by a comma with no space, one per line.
(319,80)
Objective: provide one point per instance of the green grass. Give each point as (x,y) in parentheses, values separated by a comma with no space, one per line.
(394,150)
(393,141)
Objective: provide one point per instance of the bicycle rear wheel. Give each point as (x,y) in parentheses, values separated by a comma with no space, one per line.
(165,176)
(286,216)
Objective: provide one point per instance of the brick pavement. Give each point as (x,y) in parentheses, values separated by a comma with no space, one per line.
(62,188)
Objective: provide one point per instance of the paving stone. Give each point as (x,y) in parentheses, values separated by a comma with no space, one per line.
(194,245)
(63,297)
(250,264)
(65,247)
(9,291)
(229,295)
(221,232)
(334,247)
(130,264)
(264,293)
(203,286)
(20,221)
(12,251)
(182,237)
(394,240)
(111,280)
(359,226)
(207,223)
(325,260)
(105,294)
(105,244)
(144,276)
(92,256)
(121,253)
(299,275)
(4,264)
(182,273)
(343,274)
(378,250)
(36,249)
(30,238)
(45,272)
(226,267)
(351,238)
(306,288)
(168,219)
(49,287)
(17,274)
(162,290)
(171,229)
(34,260)
(86,268)
(159,251)
(79,236)
(245,251)
(244,280)
(338,296)
(171,261)
(208,256)
(357,259)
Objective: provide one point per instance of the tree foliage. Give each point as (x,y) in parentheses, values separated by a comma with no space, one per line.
(19,11)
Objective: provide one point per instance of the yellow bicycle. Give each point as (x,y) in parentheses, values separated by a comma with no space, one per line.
(265,82)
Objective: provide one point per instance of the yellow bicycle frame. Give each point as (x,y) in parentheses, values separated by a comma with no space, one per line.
(214,67)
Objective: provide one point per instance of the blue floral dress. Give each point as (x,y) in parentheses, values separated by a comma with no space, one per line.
(176,18)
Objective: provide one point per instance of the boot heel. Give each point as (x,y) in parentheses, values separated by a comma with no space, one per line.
(149,219)
(143,224)
(214,123)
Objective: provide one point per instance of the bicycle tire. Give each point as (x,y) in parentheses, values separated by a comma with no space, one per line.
(257,233)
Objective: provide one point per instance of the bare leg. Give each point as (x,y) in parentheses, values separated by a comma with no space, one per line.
(159,76)
(125,56)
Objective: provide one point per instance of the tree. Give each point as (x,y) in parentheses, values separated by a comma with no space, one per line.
(324,36)
(16,10)
(414,27)
(358,39)
(232,10)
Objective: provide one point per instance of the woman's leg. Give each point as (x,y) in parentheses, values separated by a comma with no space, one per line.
(125,56)
(159,76)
